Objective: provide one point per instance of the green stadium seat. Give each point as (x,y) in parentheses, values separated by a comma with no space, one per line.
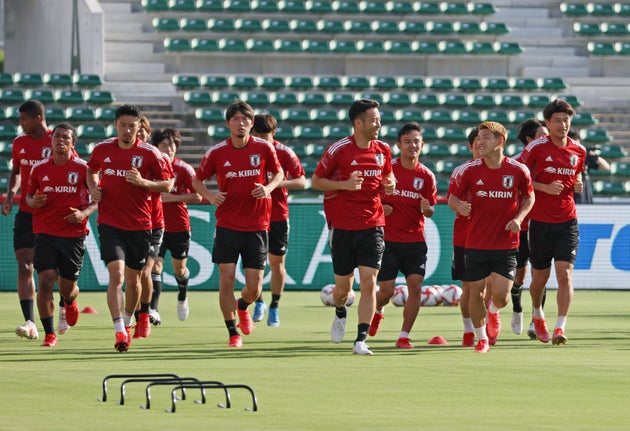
(455,100)
(439,116)
(344,46)
(257,99)
(499,116)
(232,45)
(436,150)
(80,114)
(328,82)
(453,47)
(440,27)
(338,131)
(611,188)
(389,116)
(468,116)
(3,117)
(524,84)
(94,132)
(482,9)
(193,24)
(210,6)
(55,114)
(375,7)
(314,132)
(214,81)
(441,84)
(224,98)
(512,101)
(612,151)
(508,48)
(601,48)
(165,24)
(44,96)
(413,83)
(330,26)
(99,97)
(260,45)
(468,27)
(623,9)
(587,28)
(211,115)
(495,28)
(155,5)
(552,84)
(615,29)
(297,115)
(571,100)
(222,24)
(204,45)
(496,84)
(266,6)
(302,150)
(321,7)
(583,119)
(301,82)
(273,82)
(483,101)
(314,99)
(286,98)
(623,48)
(468,84)
(198,98)
(413,27)
(218,132)
(429,8)
(177,44)
(8,131)
(69,97)
(446,167)
(428,100)
(573,9)
(622,169)
(57,79)
(356,82)
(380,96)
(427,47)
(407,115)
(182,5)
(106,114)
(238,6)
(386,27)
(292,6)
(290,46)
(87,80)
(399,47)
(479,47)
(461,150)
(360,27)
(342,99)
(347,7)
(243,82)
(523,115)
(601,9)
(276,25)
(28,79)
(6,79)
(453,8)
(402,7)
(385,83)
(186,81)
(326,115)
(431,133)
(594,136)
(401,98)
(317,45)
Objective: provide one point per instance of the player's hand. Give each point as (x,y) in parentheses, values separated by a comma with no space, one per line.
(217,198)
(133,176)
(260,191)
(6,207)
(424,204)
(39,199)
(75,216)
(389,186)
(464,208)
(578,187)
(555,188)
(355,181)
(513,225)
(96,194)
(388,209)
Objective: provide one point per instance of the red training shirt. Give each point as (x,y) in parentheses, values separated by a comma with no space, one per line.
(26,153)
(292,169)
(176,213)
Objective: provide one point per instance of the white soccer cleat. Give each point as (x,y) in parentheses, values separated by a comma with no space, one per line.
(338,329)
(517,322)
(182,309)
(154,317)
(28,330)
(62,323)
(361,348)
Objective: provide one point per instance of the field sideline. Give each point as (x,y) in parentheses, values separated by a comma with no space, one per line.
(305,382)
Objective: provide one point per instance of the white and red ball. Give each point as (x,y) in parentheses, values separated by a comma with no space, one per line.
(401,293)
(430,296)
(326,295)
(451,295)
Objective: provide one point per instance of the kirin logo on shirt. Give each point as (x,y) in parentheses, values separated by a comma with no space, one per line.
(508,181)
(73,177)
(418,183)
(46,152)
(136,162)
(254,160)
(379,159)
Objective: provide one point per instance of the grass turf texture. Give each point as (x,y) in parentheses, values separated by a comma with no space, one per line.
(305,382)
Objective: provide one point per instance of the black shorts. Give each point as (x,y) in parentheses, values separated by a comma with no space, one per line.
(458,263)
(353,248)
(132,246)
(251,246)
(278,237)
(178,243)
(523,250)
(406,257)
(65,255)
(557,241)
(481,263)
(156,242)
(23,236)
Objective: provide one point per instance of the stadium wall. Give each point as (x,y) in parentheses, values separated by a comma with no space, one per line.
(603,261)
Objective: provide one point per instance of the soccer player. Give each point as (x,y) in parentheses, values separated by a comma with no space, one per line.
(28,149)
(405,244)
(177,223)
(264,127)
(501,195)
(247,171)
(353,172)
(556,163)
(129,170)
(460,231)
(528,131)
(59,195)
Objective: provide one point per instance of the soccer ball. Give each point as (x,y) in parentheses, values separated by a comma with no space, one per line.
(451,294)
(326,295)
(439,289)
(351,297)
(430,296)
(401,293)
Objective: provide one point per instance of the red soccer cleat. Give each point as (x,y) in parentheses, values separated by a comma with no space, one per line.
(236,341)
(558,337)
(50,340)
(482,346)
(493,327)
(122,342)
(375,324)
(403,343)
(540,326)
(244,321)
(468,340)
(72,313)
(143,326)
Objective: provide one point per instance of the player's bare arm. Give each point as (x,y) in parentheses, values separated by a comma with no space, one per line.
(92,183)
(12,189)
(77,216)
(427,209)
(458,205)
(553,188)
(189,198)
(298,183)
(38,200)
(389,183)
(214,198)
(264,191)
(325,185)
(134,177)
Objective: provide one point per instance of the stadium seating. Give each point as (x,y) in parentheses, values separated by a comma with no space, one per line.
(58,79)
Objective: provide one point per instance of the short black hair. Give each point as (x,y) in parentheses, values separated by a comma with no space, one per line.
(557,105)
(265,123)
(33,108)
(472,135)
(159,135)
(409,127)
(527,129)
(360,106)
(239,106)
(130,110)
(67,126)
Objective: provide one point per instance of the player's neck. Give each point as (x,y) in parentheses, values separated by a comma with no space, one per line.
(240,141)
(40,132)
(61,159)
(493,160)
(362,142)
(559,142)
(409,162)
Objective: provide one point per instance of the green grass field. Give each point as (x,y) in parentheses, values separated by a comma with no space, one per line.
(305,382)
